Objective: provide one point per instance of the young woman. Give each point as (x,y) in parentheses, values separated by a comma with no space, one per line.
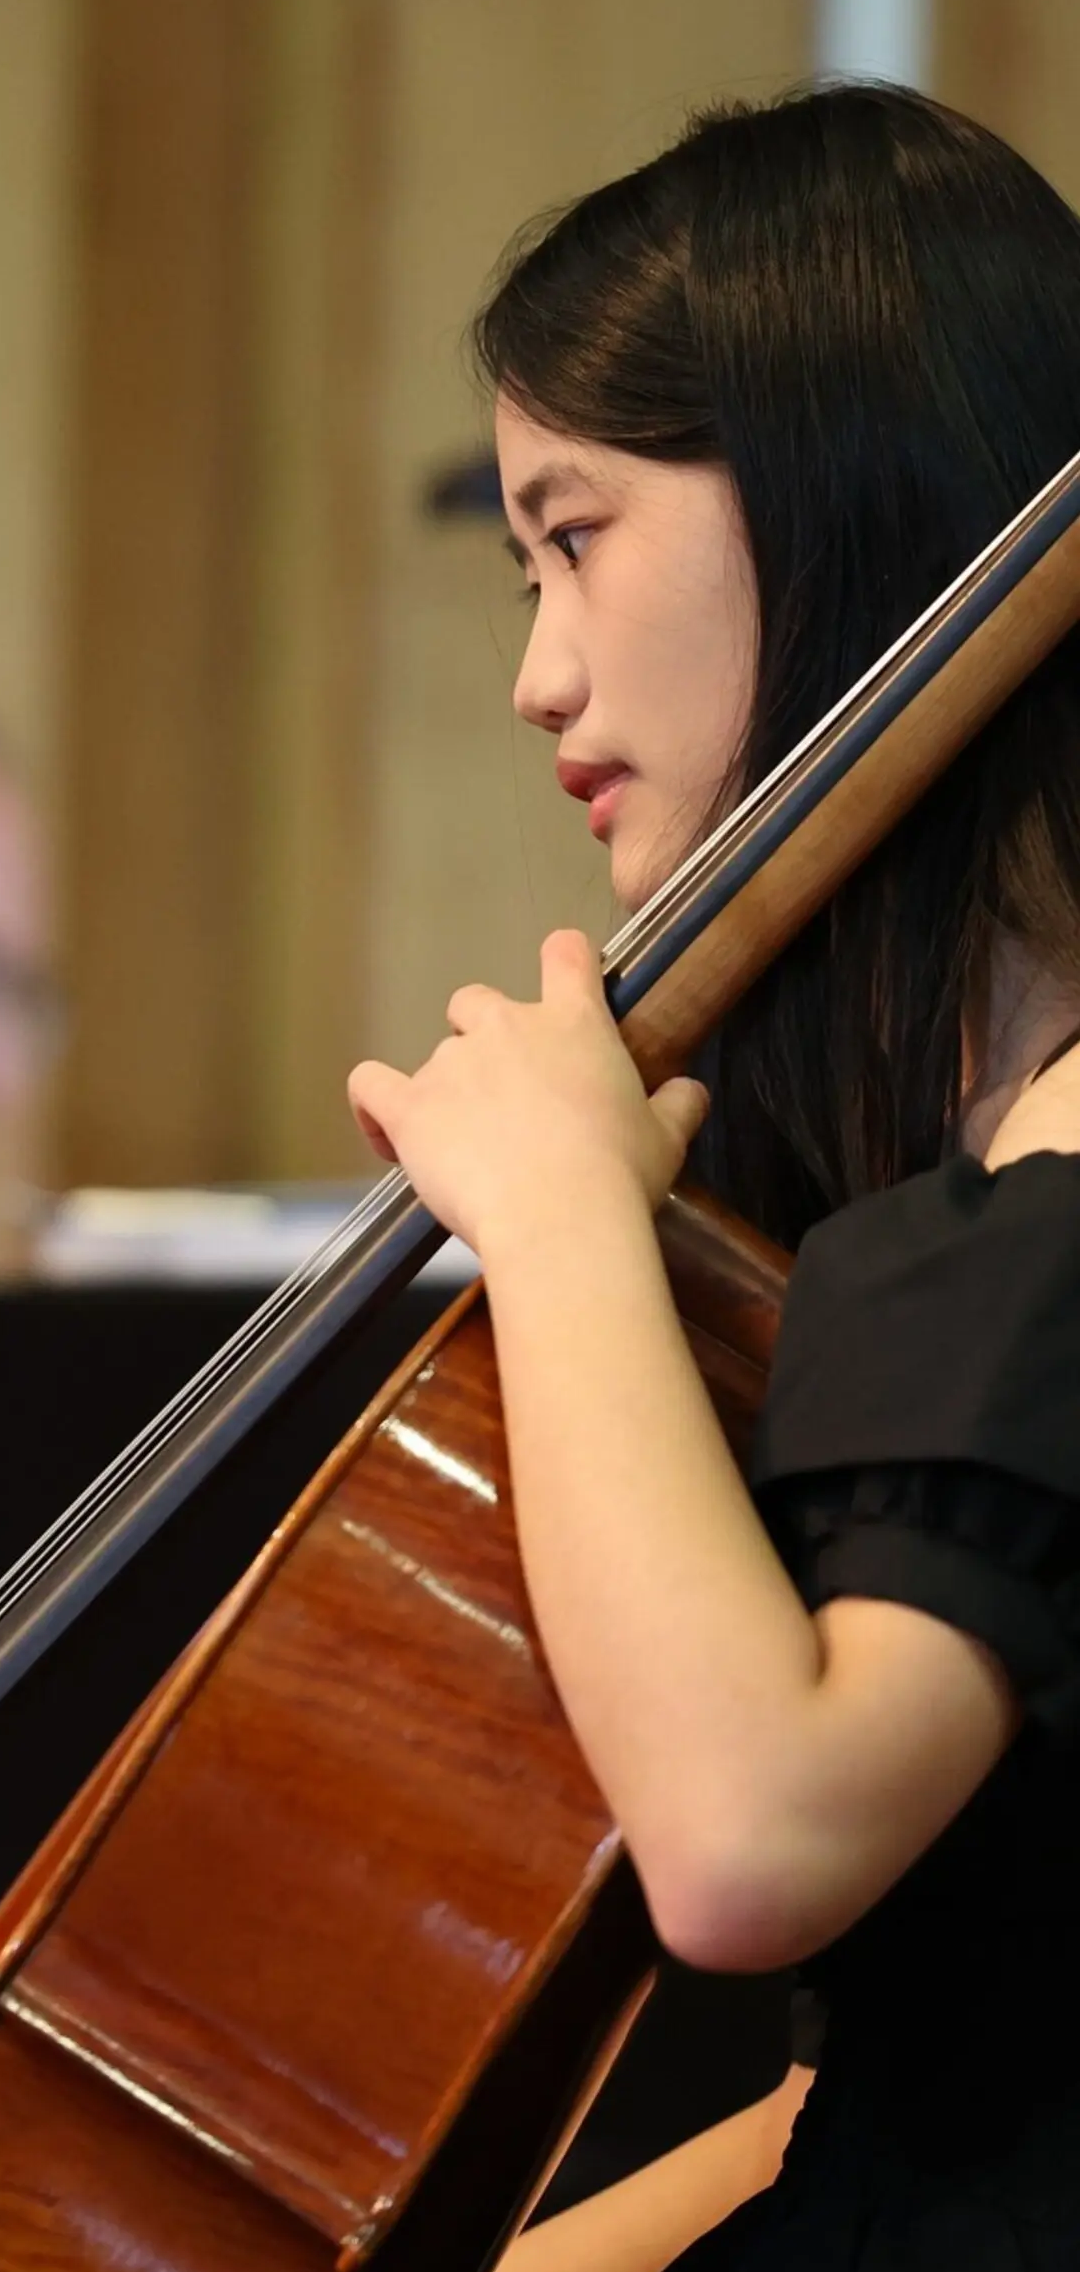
(755,404)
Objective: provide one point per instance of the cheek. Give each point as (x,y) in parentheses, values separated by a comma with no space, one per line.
(717,667)
(684,718)
(694,696)
(689,653)
(712,639)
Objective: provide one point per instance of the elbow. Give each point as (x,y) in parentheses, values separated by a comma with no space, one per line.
(740,1910)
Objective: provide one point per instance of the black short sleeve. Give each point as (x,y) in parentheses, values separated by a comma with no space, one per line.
(994,1558)
(921,1438)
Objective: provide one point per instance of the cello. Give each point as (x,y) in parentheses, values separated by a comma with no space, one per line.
(320,1964)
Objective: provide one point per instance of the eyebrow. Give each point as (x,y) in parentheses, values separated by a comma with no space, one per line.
(550,481)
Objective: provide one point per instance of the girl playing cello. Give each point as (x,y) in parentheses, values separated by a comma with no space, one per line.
(755,405)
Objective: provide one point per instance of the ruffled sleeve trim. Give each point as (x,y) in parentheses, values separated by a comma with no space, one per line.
(992,1558)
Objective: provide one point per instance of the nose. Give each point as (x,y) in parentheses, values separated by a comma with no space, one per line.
(552,686)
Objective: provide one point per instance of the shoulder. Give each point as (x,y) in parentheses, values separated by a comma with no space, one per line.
(1045,1117)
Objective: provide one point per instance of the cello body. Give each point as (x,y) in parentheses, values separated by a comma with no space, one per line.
(323,1962)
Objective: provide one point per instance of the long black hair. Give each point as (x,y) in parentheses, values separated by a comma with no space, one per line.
(867,308)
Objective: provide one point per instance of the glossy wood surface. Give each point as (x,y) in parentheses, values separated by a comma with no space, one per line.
(90,2179)
(729,1283)
(349,1860)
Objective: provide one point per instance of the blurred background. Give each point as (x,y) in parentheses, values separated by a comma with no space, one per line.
(265,801)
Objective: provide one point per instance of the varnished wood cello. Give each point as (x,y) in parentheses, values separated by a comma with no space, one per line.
(314,1969)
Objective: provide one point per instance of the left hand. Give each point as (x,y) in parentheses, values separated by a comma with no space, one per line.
(525,1100)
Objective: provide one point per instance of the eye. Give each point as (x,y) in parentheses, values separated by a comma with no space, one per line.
(567,541)
(568,538)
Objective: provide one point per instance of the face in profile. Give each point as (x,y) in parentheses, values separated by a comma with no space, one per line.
(643,650)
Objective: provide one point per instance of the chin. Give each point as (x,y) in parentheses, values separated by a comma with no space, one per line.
(636,874)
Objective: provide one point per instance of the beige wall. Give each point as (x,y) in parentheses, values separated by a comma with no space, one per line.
(1016,65)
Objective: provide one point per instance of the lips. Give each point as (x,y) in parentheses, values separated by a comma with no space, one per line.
(586,781)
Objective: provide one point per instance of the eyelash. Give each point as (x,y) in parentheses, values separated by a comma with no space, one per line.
(530,595)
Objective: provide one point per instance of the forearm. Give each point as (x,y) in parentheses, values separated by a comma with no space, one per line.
(677,1640)
(644,2223)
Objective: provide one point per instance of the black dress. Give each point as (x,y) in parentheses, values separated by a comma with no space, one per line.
(921,1444)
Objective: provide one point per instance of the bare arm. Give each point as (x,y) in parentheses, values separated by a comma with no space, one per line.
(645,2222)
(773,1773)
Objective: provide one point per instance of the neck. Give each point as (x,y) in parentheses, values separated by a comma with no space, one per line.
(1028,1010)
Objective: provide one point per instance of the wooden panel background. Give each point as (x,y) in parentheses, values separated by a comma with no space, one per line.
(320,264)
(298,809)
(153,791)
(213,762)
(38,62)
(265,704)
(38,79)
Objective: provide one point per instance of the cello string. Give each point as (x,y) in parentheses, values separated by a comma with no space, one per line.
(93,1506)
(251,1334)
(73,1525)
(250,1339)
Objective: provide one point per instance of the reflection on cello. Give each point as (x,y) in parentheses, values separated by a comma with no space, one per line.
(754,407)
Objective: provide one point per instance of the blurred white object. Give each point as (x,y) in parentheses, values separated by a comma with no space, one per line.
(874,39)
(205,1236)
